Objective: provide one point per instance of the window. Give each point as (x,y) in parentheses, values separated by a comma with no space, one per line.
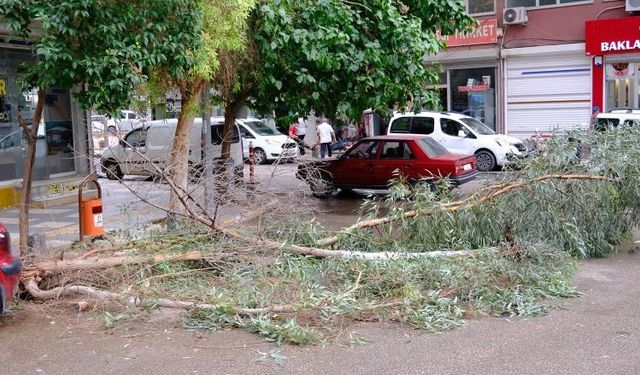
(543,3)
(260,128)
(396,150)
(136,138)
(632,122)
(481,6)
(453,128)
(363,150)
(401,125)
(217,134)
(431,147)
(422,125)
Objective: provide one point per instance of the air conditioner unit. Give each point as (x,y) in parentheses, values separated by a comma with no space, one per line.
(518,15)
(632,5)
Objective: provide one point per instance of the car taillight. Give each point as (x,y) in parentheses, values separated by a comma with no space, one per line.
(5,242)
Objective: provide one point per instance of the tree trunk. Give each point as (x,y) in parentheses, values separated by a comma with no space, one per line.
(179,164)
(32,137)
(230,112)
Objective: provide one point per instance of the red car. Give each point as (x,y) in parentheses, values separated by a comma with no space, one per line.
(10,268)
(373,161)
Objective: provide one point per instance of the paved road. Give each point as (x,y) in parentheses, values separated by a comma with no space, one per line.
(598,333)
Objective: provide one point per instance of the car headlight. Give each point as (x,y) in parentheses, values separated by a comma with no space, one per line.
(272,142)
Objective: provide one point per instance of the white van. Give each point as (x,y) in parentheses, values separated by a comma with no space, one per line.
(153,142)
(460,134)
(268,143)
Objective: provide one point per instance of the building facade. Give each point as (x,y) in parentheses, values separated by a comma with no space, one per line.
(535,70)
(62,151)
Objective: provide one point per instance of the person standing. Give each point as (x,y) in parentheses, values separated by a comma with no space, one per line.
(326,136)
(302,131)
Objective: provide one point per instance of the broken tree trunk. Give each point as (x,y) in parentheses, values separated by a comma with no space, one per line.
(57,266)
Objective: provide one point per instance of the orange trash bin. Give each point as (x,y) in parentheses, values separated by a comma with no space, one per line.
(90,211)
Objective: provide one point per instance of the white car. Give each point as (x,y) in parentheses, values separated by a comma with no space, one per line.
(615,117)
(145,149)
(460,134)
(125,121)
(268,143)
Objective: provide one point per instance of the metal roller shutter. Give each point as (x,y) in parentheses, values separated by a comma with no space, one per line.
(547,92)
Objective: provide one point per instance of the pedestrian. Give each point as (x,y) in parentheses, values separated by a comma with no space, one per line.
(326,136)
(302,131)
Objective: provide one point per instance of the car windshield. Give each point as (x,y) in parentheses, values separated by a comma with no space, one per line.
(260,128)
(431,147)
(477,126)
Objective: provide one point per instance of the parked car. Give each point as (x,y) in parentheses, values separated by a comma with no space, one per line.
(10,268)
(268,143)
(124,121)
(141,148)
(372,162)
(616,117)
(460,134)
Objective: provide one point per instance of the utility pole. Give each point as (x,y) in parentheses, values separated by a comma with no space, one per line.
(207,152)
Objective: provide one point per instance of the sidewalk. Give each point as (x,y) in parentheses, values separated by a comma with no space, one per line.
(123,211)
(127,213)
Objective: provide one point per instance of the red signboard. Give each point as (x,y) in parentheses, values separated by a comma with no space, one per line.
(611,36)
(485,33)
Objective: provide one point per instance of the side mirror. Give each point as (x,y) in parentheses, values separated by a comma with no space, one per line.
(462,134)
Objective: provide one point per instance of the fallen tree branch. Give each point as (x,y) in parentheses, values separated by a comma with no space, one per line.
(50,266)
(81,290)
(469,202)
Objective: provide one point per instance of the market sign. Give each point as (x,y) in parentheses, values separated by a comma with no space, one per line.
(611,36)
(486,32)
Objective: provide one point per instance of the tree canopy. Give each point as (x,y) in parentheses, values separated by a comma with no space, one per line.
(341,57)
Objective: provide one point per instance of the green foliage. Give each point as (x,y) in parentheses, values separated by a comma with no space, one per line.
(105,48)
(339,57)
(587,218)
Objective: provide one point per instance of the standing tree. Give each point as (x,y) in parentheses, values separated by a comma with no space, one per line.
(101,49)
(338,56)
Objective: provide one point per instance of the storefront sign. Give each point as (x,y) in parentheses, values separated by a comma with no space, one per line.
(474,88)
(485,33)
(5,108)
(620,35)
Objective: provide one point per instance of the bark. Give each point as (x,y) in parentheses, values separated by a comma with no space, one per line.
(58,266)
(32,135)
(81,290)
(230,112)
(179,163)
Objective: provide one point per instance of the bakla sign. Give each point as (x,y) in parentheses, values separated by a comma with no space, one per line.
(612,36)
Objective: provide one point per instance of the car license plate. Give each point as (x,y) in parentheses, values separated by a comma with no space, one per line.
(466,167)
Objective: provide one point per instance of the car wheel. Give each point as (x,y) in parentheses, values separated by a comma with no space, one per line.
(259,156)
(322,187)
(486,161)
(112,129)
(113,171)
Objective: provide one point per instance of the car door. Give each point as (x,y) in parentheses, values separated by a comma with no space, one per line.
(247,138)
(355,168)
(134,158)
(456,137)
(396,158)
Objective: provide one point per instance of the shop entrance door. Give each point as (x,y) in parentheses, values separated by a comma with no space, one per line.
(623,83)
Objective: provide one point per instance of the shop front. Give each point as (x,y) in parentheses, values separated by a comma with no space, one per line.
(60,149)
(469,79)
(614,48)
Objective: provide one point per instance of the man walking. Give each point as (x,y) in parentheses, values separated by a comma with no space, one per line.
(326,136)
(302,131)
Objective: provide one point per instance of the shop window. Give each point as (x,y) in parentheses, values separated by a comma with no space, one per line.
(544,3)
(473,94)
(476,7)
